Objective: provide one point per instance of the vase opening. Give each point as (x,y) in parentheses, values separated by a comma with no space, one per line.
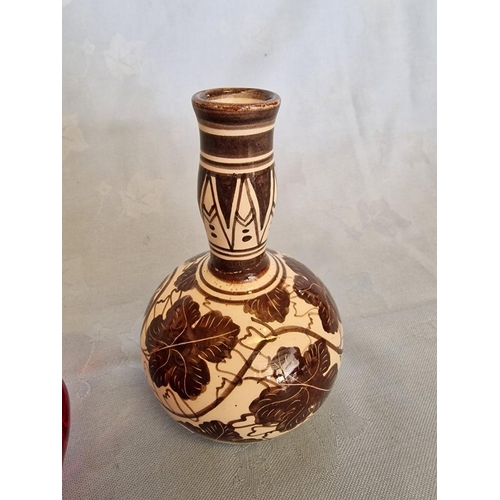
(236,97)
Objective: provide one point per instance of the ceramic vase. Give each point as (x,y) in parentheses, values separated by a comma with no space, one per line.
(242,343)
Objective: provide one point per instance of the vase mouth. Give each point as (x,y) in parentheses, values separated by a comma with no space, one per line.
(232,99)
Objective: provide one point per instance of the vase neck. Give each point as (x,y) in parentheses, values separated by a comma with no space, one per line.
(236,181)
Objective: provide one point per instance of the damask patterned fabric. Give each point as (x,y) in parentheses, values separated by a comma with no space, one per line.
(355,147)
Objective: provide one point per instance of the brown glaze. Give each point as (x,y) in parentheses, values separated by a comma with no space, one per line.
(243,343)
(251,145)
(209,108)
(310,288)
(181,344)
(236,142)
(245,270)
(304,383)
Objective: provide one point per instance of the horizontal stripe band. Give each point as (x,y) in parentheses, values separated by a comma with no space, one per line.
(227,132)
(221,159)
(232,251)
(232,255)
(233,169)
(239,291)
(235,125)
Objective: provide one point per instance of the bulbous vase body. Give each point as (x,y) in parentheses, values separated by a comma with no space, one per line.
(242,343)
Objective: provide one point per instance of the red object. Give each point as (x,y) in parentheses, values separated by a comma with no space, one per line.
(65,418)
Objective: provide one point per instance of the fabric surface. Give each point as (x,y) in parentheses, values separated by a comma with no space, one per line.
(355,147)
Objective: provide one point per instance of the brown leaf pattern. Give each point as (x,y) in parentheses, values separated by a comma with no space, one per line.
(180,345)
(272,306)
(217,430)
(187,279)
(305,382)
(310,288)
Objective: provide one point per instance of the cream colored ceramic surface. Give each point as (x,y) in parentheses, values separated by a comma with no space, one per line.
(251,366)
(244,235)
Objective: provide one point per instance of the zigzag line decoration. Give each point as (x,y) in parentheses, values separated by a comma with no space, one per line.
(239,225)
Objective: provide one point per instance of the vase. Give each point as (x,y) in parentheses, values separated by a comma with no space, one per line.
(242,343)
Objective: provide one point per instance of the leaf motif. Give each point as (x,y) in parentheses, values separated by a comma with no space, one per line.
(218,336)
(184,311)
(163,332)
(217,430)
(157,334)
(180,344)
(187,279)
(306,290)
(189,377)
(304,387)
(318,296)
(329,315)
(317,363)
(285,363)
(161,364)
(285,409)
(296,266)
(309,287)
(272,306)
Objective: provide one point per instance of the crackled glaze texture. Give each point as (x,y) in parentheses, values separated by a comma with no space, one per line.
(240,344)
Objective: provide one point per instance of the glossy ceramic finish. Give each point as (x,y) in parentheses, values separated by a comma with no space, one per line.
(242,343)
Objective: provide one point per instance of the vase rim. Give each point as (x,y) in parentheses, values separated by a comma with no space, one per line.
(236,99)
